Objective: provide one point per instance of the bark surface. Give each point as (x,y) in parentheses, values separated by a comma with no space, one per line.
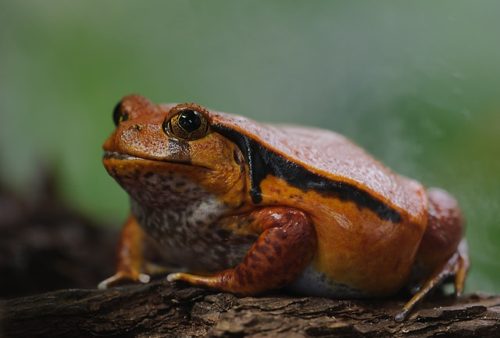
(163,309)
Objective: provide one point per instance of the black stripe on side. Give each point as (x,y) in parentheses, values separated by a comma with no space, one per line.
(263,162)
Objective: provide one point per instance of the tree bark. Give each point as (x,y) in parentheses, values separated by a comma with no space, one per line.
(163,309)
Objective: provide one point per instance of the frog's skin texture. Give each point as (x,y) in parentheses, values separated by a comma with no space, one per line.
(247,207)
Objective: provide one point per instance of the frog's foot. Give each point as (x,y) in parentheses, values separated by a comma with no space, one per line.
(456,266)
(131,263)
(121,277)
(463,265)
(282,251)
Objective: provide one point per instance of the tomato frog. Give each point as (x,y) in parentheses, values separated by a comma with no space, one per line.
(247,207)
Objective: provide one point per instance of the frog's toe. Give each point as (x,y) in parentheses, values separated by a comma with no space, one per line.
(122,278)
(213,281)
(462,267)
(144,278)
(108,282)
(179,276)
(172,277)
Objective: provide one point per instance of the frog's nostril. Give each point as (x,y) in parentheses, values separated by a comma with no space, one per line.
(137,127)
(119,115)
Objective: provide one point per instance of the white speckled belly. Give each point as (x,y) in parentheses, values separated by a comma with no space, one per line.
(184,219)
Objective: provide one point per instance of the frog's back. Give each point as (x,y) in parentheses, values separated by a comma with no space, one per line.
(368,220)
(330,158)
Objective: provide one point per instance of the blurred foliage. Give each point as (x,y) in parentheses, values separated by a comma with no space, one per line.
(415,83)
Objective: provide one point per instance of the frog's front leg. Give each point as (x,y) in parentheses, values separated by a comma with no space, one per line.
(130,256)
(286,245)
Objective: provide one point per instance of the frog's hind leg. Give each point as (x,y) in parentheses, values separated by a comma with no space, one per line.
(130,265)
(456,266)
(442,252)
(284,248)
(462,267)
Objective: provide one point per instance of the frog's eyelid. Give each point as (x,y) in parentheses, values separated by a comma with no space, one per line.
(188,105)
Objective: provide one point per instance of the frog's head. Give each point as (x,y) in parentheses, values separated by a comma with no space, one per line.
(158,150)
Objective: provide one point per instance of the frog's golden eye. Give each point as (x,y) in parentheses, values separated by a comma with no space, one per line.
(187,124)
(118,114)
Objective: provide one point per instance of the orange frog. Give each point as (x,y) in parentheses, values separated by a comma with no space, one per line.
(246,207)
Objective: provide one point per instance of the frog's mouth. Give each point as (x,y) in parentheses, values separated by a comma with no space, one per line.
(114,155)
(118,156)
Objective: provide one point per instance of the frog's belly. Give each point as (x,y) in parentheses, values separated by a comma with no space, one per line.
(315,283)
(205,250)
(207,254)
(190,242)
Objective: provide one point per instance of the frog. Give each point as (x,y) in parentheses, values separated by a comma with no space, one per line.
(244,207)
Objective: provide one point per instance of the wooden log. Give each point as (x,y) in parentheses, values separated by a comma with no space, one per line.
(164,309)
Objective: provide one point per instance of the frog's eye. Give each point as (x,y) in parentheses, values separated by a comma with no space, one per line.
(187,124)
(118,114)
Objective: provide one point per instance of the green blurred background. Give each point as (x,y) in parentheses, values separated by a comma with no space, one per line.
(415,83)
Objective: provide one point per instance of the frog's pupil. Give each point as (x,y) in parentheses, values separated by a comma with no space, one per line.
(189,120)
